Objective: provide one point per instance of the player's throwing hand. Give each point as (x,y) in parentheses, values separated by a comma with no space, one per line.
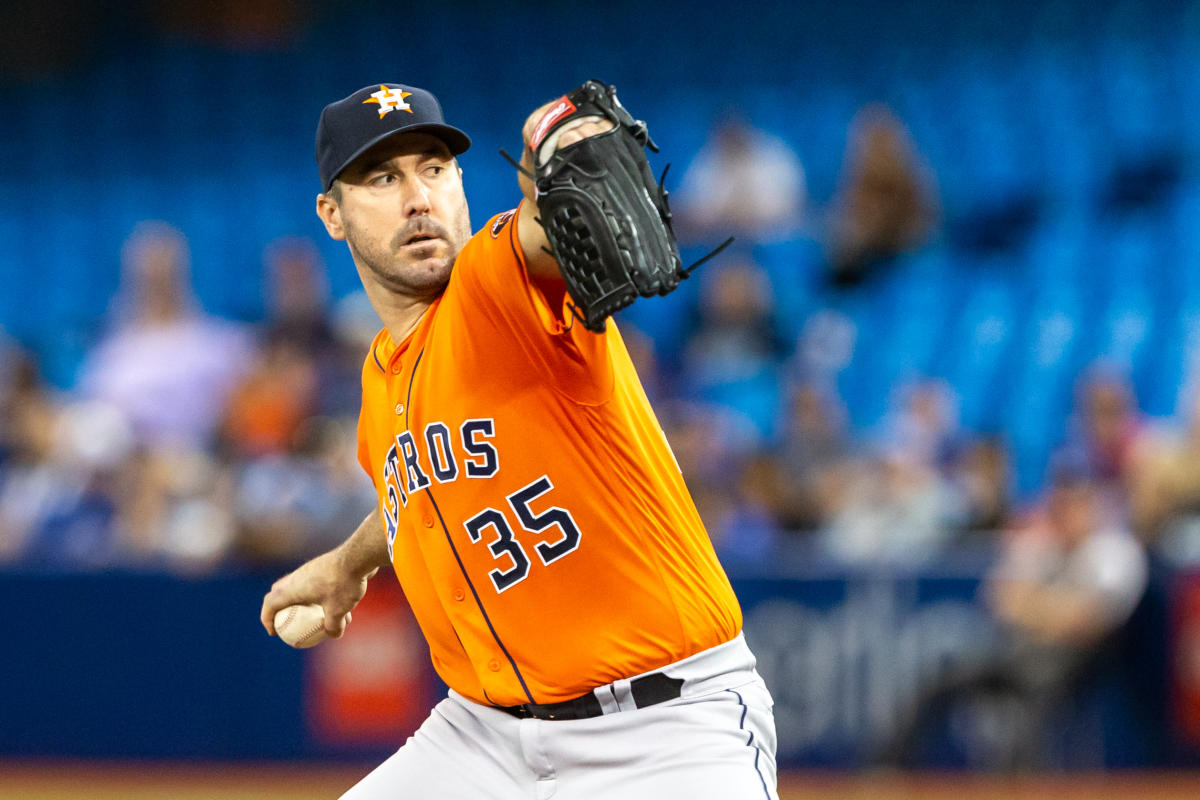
(336,581)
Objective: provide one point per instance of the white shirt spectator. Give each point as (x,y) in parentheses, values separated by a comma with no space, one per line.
(743,181)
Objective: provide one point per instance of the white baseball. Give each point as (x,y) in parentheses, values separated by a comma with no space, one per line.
(301,626)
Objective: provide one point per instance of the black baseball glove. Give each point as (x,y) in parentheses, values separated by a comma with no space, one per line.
(605,216)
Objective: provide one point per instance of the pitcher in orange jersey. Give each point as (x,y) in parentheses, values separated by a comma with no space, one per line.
(528,503)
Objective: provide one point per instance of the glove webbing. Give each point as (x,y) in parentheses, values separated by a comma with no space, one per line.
(683,272)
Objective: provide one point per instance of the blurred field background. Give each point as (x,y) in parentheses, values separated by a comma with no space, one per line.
(938,404)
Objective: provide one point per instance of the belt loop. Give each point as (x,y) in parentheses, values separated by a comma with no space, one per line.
(608,701)
(624,694)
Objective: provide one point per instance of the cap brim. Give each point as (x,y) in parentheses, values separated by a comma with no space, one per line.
(456,141)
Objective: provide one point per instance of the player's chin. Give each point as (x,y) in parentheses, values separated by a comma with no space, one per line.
(432,270)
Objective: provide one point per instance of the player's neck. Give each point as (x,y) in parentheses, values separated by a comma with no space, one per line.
(399,313)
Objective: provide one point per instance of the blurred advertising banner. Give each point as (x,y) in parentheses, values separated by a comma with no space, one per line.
(847,656)
(190,673)
(843,657)
(377,684)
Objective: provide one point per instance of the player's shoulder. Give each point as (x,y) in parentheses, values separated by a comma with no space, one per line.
(490,256)
(496,233)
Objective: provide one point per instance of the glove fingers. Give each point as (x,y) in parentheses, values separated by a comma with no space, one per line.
(605,216)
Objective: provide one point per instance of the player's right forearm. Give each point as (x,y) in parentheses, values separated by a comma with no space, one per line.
(366,549)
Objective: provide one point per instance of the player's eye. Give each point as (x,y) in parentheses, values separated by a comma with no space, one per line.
(382,179)
(434,170)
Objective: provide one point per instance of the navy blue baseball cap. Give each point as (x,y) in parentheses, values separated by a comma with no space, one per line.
(355,124)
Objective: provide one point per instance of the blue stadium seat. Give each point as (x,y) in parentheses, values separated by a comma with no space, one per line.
(979,353)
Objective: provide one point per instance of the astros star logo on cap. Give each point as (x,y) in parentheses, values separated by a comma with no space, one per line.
(389,100)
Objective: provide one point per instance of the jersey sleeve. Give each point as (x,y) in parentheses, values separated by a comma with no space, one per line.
(490,278)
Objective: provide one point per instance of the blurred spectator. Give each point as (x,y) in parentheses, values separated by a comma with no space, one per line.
(177,510)
(59,476)
(1106,433)
(743,182)
(289,426)
(294,505)
(925,423)
(297,291)
(306,365)
(885,203)
(733,355)
(1071,576)
(826,346)
(282,386)
(28,488)
(747,529)
(1164,482)
(165,370)
(271,403)
(900,506)
(982,476)
(892,510)
(807,467)
(299,312)
(19,382)
(165,365)
(1063,588)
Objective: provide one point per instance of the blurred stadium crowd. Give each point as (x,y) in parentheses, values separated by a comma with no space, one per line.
(189,441)
(960,320)
(883,369)
(186,440)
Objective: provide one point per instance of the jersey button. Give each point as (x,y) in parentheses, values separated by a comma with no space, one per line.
(494,665)
(459,595)
(395,369)
(428,521)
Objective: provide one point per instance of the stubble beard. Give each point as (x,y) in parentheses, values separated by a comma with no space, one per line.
(397,271)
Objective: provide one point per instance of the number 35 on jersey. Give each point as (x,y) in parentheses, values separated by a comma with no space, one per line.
(471,454)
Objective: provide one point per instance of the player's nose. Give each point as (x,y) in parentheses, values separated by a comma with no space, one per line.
(417,200)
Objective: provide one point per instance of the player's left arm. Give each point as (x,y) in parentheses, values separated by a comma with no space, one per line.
(539,262)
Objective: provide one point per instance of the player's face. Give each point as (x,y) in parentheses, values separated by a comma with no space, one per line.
(403,213)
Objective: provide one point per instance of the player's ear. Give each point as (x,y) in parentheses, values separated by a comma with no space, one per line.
(330,213)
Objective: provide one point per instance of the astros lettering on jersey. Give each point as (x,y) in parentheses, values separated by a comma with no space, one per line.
(525,485)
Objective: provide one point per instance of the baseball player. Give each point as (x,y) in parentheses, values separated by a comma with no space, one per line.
(528,500)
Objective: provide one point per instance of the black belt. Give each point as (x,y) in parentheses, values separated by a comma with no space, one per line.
(647,690)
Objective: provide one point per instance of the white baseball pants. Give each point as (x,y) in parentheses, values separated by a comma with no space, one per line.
(715,742)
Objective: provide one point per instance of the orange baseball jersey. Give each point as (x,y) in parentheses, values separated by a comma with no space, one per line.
(535,515)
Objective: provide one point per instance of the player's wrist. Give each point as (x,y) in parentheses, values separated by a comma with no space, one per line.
(359,558)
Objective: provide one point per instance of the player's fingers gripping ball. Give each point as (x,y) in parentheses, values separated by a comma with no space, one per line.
(302,626)
(604,214)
